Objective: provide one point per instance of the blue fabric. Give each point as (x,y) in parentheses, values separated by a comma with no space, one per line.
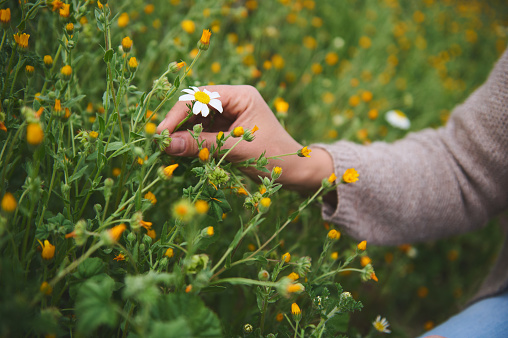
(485,318)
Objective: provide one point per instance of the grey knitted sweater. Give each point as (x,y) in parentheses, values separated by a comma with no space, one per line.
(435,182)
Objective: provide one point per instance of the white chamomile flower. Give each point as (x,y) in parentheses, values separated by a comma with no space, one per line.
(381,324)
(398,119)
(202,100)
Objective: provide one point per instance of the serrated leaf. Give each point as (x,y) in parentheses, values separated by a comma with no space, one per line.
(94,306)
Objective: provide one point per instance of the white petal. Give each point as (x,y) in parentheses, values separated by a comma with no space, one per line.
(197,108)
(207,91)
(196,89)
(188,91)
(186,97)
(216,104)
(214,95)
(205,110)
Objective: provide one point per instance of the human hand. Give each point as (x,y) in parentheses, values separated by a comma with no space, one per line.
(243,106)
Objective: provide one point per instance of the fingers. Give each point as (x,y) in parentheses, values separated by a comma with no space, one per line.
(182,143)
(235,101)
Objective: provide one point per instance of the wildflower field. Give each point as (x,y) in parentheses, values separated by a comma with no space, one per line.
(104,234)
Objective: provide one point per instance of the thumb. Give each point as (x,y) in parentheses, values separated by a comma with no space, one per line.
(183,144)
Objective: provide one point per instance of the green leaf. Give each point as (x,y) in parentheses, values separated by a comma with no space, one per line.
(94,306)
(201,321)
(90,267)
(177,82)
(78,174)
(174,329)
(108,55)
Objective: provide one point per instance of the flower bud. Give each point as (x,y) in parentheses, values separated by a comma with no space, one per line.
(263,275)
(204,42)
(276,172)
(133,64)
(48,61)
(29,71)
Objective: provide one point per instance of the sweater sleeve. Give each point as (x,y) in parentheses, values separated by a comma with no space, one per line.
(433,183)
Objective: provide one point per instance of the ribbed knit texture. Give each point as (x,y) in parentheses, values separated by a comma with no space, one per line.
(433,183)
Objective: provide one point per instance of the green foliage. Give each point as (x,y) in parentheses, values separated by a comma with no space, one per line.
(133,255)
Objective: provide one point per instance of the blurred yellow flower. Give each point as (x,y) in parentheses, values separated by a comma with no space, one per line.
(334,255)
(149,8)
(294,276)
(123,20)
(169,253)
(45,288)
(334,234)
(150,128)
(202,206)
(331,58)
(362,245)
(65,10)
(34,134)
(281,106)
(364,260)
(188,26)
(309,42)
(9,202)
(365,42)
(215,67)
(119,257)
(209,231)
(5,17)
(286,257)
(116,231)
(151,197)
(278,61)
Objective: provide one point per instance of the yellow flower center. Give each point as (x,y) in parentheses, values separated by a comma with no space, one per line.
(400,114)
(202,97)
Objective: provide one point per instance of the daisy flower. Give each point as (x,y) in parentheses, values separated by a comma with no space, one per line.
(202,100)
(398,119)
(381,325)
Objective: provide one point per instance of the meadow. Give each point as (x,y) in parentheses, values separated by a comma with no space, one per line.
(103,234)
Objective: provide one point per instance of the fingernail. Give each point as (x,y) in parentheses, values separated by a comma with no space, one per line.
(177,145)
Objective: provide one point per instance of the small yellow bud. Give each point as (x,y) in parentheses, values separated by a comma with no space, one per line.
(126,44)
(286,257)
(238,131)
(169,253)
(202,206)
(34,134)
(204,154)
(9,202)
(46,288)
(150,128)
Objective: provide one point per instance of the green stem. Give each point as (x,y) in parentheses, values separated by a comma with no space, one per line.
(229,150)
(3,40)
(335,272)
(243,281)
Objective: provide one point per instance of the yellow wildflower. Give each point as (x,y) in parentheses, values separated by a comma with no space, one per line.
(116,231)
(295,309)
(188,26)
(350,176)
(151,197)
(48,250)
(5,17)
(209,231)
(304,152)
(34,134)
(116,172)
(45,288)
(281,106)
(286,257)
(123,20)
(133,64)
(29,70)
(204,42)
(66,72)
(48,60)
(266,202)
(238,131)
(332,178)
(150,128)
(364,260)
(279,317)
(126,44)
(294,276)
(119,257)
(151,233)
(334,255)
(9,202)
(334,234)
(149,9)
(362,245)
(204,154)
(22,40)
(169,253)
(202,206)
(292,288)
(168,171)
(65,10)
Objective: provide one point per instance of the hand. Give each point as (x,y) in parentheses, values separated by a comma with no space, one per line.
(244,106)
